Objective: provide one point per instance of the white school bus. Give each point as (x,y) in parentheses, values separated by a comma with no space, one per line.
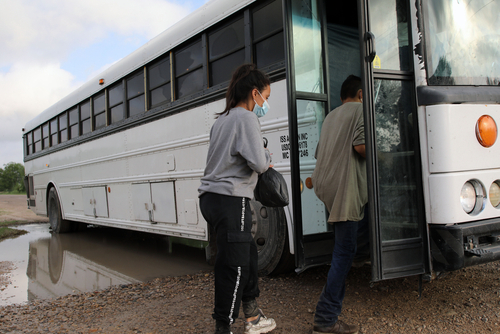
(128,148)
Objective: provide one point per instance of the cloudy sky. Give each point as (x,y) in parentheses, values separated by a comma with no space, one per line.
(48,48)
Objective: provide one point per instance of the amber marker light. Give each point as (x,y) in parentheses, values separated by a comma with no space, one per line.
(486,131)
(309,183)
(101,81)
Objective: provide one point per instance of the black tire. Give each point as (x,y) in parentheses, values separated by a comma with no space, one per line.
(57,223)
(270,234)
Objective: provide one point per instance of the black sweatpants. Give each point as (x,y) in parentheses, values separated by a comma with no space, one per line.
(237,260)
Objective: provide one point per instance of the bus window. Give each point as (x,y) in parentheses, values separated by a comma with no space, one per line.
(85,117)
(45,136)
(99,112)
(115,98)
(397,176)
(37,140)
(391,33)
(63,127)
(269,46)
(73,123)
(29,143)
(226,49)
(135,94)
(54,140)
(189,70)
(159,82)
(307,47)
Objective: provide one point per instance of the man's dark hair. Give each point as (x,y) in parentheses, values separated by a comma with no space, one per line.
(350,87)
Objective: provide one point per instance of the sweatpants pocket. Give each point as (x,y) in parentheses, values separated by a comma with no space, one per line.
(238,244)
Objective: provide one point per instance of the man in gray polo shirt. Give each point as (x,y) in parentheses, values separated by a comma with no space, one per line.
(339,180)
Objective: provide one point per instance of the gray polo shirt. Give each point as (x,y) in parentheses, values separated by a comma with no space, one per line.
(339,179)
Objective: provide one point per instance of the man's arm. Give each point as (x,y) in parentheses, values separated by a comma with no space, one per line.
(361,150)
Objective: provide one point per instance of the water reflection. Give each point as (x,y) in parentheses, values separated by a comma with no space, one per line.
(61,264)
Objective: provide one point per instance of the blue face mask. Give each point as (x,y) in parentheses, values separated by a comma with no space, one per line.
(261,111)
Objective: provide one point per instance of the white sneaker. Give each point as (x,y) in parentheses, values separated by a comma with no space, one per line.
(260,325)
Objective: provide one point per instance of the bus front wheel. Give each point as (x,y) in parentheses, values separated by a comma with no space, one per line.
(57,223)
(270,234)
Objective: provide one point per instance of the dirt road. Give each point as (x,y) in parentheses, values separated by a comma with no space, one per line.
(465,301)
(15,208)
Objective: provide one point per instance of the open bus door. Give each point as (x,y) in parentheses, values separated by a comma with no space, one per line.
(327,41)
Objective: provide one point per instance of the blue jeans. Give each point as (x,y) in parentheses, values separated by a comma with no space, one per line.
(329,305)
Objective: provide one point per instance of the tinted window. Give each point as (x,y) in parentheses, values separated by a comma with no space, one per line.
(135,85)
(159,73)
(227,39)
(136,105)
(188,59)
(190,83)
(36,135)
(73,116)
(73,123)
(117,113)
(73,129)
(270,51)
(115,95)
(45,135)
(222,69)
(99,114)
(64,135)
(86,126)
(85,110)
(267,20)
(53,132)
(99,104)
(161,94)
(99,121)
(63,124)
(63,121)
(38,146)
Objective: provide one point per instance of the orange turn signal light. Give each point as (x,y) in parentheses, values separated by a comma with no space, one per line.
(309,183)
(486,131)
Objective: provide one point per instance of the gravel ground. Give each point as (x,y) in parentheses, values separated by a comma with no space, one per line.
(465,301)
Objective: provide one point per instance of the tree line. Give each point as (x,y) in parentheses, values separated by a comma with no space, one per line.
(12,177)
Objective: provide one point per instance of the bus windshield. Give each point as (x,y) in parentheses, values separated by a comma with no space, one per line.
(463,42)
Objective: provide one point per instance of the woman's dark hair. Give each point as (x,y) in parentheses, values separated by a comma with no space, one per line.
(245,78)
(350,87)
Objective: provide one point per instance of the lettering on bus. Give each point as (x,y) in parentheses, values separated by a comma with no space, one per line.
(303,146)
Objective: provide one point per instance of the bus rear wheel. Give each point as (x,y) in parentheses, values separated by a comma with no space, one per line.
(57,223)
(270,234)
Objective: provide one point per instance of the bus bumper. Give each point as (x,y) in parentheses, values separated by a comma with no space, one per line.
(464,245)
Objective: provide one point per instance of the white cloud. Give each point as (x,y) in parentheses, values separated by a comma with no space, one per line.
(37,36)
(50,29)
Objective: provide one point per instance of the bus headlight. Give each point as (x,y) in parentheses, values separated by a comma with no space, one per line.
(495,194)
(472,197)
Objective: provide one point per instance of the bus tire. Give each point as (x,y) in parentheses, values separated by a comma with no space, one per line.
(57,223)
(270,234)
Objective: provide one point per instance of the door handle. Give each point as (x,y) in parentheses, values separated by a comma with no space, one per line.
(370,38)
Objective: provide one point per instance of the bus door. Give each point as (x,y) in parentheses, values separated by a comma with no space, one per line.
(327,41)
(396,207)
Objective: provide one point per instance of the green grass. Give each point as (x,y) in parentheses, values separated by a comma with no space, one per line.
(6,232)
(14,192)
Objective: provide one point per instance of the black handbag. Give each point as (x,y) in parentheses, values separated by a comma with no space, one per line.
(271,189)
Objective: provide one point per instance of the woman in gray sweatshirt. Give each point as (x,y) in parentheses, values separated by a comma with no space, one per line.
(236,157)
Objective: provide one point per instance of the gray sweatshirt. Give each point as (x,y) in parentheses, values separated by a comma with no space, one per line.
(236,155)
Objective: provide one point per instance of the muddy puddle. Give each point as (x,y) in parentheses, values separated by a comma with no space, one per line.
(44,265)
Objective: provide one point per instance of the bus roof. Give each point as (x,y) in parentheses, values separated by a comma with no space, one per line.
(196,22)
